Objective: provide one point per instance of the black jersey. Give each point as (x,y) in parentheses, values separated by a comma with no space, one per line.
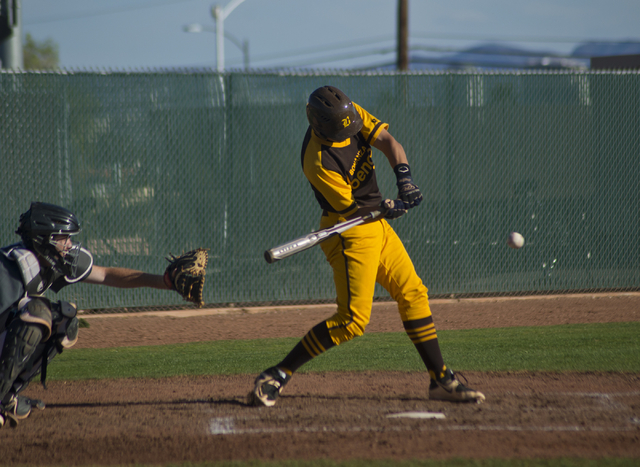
(342,174)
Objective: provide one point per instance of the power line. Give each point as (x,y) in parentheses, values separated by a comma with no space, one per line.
(341,53)
(375,42)
(385,45)
(388,42)
(341,57)
(324,48)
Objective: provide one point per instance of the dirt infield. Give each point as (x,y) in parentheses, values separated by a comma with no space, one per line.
(333,415)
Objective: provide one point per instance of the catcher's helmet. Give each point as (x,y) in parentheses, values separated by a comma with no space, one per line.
(332,115)
(38,227)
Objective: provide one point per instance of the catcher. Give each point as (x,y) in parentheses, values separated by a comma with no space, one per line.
(34,329)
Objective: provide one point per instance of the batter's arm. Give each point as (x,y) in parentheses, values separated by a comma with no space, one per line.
(408,191)
(391,148)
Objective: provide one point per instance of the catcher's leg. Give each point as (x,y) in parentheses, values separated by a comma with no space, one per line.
(24,334)
(20,344)
(65,335)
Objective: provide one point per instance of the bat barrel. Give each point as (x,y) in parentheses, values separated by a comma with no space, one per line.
(288,249)
(291,248)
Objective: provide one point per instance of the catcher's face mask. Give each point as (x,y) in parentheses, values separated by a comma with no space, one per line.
(68,253)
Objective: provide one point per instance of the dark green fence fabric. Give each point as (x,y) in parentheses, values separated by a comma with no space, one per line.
(165,162)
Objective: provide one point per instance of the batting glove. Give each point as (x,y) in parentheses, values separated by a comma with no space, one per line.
(394,208)
(408,192)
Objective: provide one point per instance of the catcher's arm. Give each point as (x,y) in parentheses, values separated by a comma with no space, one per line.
(124,278)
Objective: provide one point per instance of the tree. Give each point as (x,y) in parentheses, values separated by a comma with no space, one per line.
(40,55)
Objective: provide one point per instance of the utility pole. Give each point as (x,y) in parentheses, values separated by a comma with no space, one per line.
(10,35)
(403,35)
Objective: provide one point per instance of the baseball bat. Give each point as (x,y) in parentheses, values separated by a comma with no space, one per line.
(307,241)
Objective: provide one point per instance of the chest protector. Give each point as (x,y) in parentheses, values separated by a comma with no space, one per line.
(36,281)
(29,270)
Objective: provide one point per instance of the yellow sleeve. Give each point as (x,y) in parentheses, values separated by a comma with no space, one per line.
(331,185)
(371,126)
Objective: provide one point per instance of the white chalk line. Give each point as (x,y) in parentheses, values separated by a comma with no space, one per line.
(226,425)
(420,415)
(594,395)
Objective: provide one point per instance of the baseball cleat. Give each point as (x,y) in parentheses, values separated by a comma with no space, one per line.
(18,408)
(268,387)
(448,388)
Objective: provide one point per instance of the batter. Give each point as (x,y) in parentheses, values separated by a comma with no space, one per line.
(337,160)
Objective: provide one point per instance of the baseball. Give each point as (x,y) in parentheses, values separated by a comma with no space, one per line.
(515,240)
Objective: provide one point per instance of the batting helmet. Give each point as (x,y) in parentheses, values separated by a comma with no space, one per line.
(332,115)
(37,228)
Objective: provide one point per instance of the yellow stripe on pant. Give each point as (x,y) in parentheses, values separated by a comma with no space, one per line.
(360,257)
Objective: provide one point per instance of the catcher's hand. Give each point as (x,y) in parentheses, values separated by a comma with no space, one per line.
(186,274)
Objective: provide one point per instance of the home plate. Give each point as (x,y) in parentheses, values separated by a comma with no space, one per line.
(416,415)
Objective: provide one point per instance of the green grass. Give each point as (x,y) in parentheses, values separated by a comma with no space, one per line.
(430,463)
(566,462)
(575,347)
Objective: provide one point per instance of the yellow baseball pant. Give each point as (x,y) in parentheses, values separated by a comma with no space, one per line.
(360,257)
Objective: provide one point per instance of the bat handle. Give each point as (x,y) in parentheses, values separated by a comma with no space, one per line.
(378,214)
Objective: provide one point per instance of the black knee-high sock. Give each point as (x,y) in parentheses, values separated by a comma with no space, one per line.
(422,333)
(314,343)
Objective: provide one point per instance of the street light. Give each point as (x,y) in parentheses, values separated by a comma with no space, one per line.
(220,14)
(242,45)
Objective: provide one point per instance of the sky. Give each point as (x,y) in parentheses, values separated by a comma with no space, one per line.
(318,34)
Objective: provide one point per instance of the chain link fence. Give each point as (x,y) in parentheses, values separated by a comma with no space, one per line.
(160,162)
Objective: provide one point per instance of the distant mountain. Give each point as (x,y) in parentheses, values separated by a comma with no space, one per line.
(490,56)
(603,49)
(500,56)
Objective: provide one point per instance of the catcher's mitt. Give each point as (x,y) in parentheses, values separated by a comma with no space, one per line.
(186,274)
